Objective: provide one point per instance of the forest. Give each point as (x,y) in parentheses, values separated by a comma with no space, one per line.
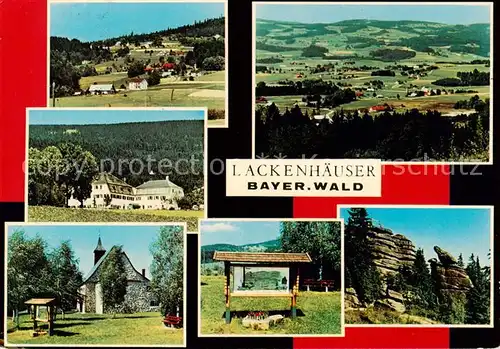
(416,279)
(391,136)
(473,78)
(207,27)
(124,149)
(387,54)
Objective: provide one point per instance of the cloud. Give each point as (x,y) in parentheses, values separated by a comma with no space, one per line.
(217,227)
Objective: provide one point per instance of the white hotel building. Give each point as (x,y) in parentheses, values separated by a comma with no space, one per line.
(151,195)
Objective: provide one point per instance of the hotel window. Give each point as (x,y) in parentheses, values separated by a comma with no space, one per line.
(157,197)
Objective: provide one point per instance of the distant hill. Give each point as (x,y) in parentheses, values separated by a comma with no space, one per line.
(265,246)
(416,35)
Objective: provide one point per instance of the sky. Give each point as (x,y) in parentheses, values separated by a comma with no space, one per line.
(134,239)
(238,233)
(98,21)
(92,116)
(306,13)
(456,230)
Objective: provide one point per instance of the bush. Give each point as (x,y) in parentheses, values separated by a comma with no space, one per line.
(135,69)
(154,78)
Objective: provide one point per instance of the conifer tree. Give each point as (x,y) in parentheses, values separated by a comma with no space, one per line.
(422,282)
(478,297)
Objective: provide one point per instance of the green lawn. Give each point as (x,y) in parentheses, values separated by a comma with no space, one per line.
(62,214)
(97,329)
(321,311)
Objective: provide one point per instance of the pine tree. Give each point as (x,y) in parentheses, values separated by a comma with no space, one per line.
(362,272)
(113,279)
(460,261)
(422,282)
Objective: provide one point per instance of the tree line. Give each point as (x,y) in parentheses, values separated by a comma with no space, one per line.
(474,78)
(408,135)
(204,28)
(419,285)
(35,271)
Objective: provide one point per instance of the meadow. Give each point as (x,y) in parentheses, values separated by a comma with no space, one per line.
(99,329)
(318,312)
(62,214)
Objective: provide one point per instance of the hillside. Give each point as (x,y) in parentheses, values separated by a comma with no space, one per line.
(125,142)
(265,246)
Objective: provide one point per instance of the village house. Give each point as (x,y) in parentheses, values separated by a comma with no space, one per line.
(97,89)
(138,297)
(153,195)
(138,84)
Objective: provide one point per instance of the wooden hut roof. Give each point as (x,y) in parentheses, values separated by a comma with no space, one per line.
(262,257)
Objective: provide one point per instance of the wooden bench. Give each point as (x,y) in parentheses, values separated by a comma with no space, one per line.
(318,283)
(172,321)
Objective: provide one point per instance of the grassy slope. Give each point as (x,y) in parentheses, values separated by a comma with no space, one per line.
(322,311)
(138,329)
(59,214)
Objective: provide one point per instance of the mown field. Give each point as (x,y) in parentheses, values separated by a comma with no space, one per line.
(97,329)
(318,312)
(61,214)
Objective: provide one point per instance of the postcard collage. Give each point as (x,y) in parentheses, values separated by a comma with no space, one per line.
(298,175)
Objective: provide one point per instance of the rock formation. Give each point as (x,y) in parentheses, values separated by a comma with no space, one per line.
(389,253)
(444,257)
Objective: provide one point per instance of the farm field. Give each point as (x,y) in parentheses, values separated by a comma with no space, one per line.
(318,312)
(61,214)
(98,329)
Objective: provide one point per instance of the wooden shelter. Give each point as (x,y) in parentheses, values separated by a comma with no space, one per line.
(50,305)
(249,274)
